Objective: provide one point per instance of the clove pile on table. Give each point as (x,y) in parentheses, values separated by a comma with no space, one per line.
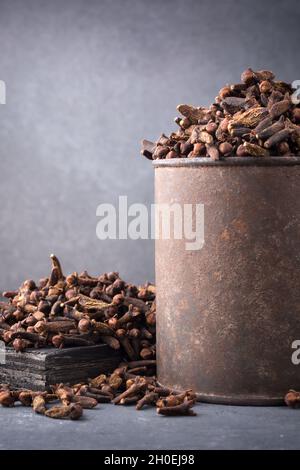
(81,310)
(257,117)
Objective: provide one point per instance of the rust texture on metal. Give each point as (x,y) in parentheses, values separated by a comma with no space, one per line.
(227,314)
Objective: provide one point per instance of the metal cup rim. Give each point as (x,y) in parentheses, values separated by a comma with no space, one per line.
(227,161)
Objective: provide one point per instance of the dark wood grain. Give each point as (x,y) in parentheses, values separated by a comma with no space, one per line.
(37,369)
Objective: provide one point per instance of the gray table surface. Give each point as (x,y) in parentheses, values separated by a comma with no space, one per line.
(114,427)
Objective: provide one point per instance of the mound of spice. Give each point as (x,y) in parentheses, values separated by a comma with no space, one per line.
(82,310)
(256,117)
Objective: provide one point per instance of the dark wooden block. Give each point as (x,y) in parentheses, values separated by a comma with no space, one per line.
(36,369)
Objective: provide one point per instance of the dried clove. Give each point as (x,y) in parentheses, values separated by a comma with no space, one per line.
(72,411)
(7,399)
(131,400)
(85,402)
(39,404)
(292,399)
(242,113)
(271,130)
(277,138)
(183,409)
(149,398)
(54,327)
(63,340)
(71,316)
(81,310)
(254,150)
(280,108)
(139,385)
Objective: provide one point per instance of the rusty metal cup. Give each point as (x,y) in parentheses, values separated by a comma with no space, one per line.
(228,314)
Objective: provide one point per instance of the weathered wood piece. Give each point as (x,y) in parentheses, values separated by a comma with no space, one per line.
(37,369)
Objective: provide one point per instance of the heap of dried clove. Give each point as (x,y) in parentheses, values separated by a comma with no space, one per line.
(82,310)
(256,117)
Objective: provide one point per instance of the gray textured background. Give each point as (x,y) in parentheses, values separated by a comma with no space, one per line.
(86,80)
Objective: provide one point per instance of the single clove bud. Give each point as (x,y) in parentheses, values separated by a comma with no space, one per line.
(125,342)
(138,386)
(39,404)
(292,399)
(183,409)
(280,108)
(142,363)
(132,400)
(54,327)
(277,138)
(254,150)
(85,402)
(149,398)
(64,393)
(63,340)
(269,131)
(111,342)
(20,345)
(30,337)
(7,399)
(72,411)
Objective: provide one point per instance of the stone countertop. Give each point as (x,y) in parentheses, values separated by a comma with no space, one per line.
(111,427)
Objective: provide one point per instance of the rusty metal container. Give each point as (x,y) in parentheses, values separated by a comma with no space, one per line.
(227,314)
